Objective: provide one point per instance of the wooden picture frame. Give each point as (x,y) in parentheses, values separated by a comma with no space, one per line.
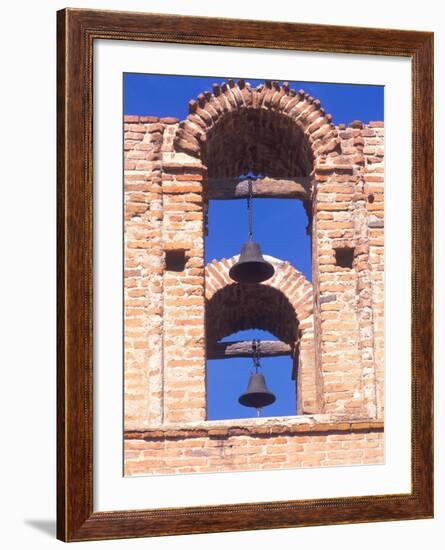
(77,31)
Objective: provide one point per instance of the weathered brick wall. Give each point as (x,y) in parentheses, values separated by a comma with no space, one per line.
(143,270)
(337,323)
(203,448)
(349,298)
(373,137)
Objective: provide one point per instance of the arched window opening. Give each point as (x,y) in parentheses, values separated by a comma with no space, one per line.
(264,155)
(275,307)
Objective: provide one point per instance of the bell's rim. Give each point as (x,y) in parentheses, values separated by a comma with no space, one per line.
(239,270)
(265,396)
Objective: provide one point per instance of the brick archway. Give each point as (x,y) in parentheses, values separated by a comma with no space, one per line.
(291,286)
(283,305)
(238,307)
(272,114)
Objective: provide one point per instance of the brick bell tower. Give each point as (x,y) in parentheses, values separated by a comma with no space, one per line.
(177,309)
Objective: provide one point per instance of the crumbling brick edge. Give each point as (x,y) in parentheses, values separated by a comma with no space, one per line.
(176,432)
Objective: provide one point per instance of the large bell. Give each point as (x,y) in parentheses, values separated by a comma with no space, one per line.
(251,266)
(257,394)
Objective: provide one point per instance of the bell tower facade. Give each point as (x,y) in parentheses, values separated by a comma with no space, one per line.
(177,309)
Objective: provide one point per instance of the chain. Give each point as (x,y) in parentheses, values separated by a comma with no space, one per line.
(256,363)
(249,209)
(256,354)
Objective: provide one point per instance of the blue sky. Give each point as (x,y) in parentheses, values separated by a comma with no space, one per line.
(279,225)
(161,95)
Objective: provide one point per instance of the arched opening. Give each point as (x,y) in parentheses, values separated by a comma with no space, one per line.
(237,307)
(250,140)
(269,144)
(269,147)
(236,316)
(278,312)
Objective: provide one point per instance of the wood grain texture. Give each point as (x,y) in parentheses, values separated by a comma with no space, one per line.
(225,350)
(77,29)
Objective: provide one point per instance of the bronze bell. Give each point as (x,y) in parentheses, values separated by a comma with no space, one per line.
(257,394)
(251,266)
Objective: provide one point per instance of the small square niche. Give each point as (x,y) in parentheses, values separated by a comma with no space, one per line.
(175,260)
(344,256)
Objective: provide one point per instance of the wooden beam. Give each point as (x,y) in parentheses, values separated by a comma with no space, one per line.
(226,350)
(264,188)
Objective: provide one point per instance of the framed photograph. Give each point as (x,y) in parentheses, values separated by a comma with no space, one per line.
(245,228)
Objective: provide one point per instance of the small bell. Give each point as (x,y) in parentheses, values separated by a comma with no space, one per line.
(251,267)
(257,394)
